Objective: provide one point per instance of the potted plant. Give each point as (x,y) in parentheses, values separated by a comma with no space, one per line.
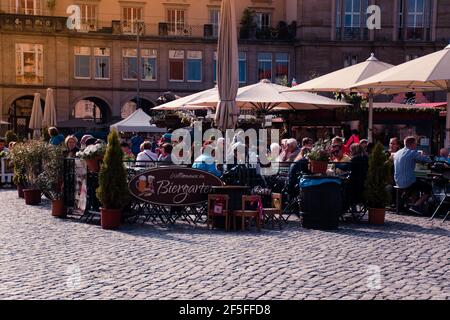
(51,179)
(29,156)
(319,157)
(17,157)
(93,155)
(376,193)
(113,188)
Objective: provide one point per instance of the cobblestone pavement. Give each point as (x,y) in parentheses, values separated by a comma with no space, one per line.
(46,258)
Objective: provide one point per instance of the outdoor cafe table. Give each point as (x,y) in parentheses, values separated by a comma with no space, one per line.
(234,192)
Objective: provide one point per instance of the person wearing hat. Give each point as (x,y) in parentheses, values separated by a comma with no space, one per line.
(83,140)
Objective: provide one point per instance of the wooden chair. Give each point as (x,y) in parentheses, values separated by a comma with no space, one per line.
(212,198)
(270,214)
(248,214)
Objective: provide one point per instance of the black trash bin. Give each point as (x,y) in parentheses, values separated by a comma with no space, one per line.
(321,202)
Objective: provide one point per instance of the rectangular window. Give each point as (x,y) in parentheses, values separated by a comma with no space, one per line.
(214,20)
(350,60)
(102,62)
(282,68)
(416,9)
(29,63)
(263,20)
(176,65)
(131,16)
(194,66)
(148,58)
(29,7)
(351,19)
(242,67)
(130,71)
(88,17)
(82,62)
(176,21)
(265,66)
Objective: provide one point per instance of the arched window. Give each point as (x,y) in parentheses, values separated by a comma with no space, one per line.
(88,110)
(127,109)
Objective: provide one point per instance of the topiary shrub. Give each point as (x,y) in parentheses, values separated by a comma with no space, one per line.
(10,136)
(113,188)
(376,194)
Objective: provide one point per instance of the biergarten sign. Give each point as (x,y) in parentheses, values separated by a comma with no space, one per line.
(173,186)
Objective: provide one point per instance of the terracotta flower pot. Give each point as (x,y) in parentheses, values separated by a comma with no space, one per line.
(319,166)
(376,215)
(110,218)
(93,165)
(32,196)
(20,191)
(58,208)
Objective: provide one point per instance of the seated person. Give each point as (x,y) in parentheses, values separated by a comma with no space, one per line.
(128,155)
(359,165)
(206,161)
(298,168)
(404,164)
(290,152)
(166,153)
(443,156)
(146,155)
(340,159)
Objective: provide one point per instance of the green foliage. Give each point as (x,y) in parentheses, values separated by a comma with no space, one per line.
(10,136)
(16,156)
(28,159)
(320,151)
(51,179)
(248,24)
(113,189)
(377,180)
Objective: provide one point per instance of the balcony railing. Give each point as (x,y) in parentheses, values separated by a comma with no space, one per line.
(35,23)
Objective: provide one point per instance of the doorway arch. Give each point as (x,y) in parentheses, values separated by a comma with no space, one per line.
(20,114)
(92,109)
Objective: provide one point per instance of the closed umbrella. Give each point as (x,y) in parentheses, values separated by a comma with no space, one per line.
(266,96)
(36,116)
(344,79)
(49,110)
(227,67)
(427,73)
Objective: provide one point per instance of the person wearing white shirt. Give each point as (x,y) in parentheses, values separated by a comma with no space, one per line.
(146,155)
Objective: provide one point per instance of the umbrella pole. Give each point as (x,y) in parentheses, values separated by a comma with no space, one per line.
(370,131)
(447,122)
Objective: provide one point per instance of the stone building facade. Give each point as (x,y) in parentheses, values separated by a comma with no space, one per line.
(94,71)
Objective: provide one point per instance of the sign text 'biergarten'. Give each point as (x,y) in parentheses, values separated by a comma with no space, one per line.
(173,186)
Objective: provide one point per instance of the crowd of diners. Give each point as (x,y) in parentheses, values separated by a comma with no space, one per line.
(347,155)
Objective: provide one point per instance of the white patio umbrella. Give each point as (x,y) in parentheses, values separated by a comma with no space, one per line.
(266,96)
(427,73)
(344,79)
(227,67)
(49,119)
(183,103)
(36,116)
